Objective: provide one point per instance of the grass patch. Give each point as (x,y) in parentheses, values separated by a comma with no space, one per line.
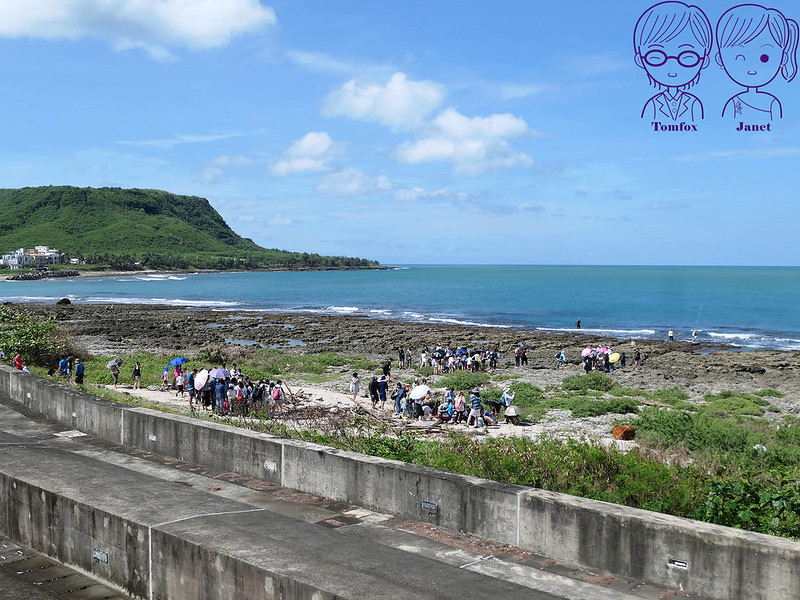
(769,393)
(590,381)
(463,380)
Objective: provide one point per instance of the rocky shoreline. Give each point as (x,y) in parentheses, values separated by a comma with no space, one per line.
(127,328)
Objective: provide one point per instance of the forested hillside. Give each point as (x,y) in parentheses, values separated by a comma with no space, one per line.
(123,227)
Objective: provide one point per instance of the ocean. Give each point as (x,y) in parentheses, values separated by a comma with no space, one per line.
(748,307)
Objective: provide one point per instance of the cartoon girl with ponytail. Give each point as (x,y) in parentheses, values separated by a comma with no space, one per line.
(755,44)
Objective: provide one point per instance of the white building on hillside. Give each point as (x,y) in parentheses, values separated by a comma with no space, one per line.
(38,256)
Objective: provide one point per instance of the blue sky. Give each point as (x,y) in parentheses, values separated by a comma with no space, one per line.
(407,132)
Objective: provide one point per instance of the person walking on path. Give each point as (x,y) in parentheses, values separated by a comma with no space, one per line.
(190,387)
(137,376)
(355,386)
(179,381)
(115,373)
(165,379)
(398,395)
(80,369)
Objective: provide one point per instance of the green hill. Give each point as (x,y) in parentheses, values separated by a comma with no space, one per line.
(121,227)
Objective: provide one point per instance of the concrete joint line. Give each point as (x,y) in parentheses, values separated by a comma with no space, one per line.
(200,516)
(122,427)
(519,512)
(476,561)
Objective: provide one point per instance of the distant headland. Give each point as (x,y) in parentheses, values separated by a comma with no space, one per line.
(104,230)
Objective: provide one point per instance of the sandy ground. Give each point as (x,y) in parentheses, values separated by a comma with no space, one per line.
(696,369)
(321,400)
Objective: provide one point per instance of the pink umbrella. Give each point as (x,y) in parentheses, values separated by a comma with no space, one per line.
(586,352)
(602,350)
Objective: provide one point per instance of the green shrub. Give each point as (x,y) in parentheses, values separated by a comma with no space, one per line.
(769,393)
(623,406)
(721,435)
(771,506)
(463,380)
(626,391)
(663,427)
(38,342)
(727,404)
(595,380)
(671,396)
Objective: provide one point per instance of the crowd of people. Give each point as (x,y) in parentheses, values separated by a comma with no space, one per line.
(225,391)
(447,360)
(222,391)
(416,401)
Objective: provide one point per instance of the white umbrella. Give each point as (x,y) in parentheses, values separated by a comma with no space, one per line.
(219,373)
(114,361)
(419,392)
(200,379)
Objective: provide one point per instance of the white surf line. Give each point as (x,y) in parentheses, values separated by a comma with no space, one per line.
(200,516)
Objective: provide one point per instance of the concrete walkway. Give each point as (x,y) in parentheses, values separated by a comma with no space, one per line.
(248,528)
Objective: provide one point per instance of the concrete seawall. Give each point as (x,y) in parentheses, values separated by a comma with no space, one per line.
(699,558)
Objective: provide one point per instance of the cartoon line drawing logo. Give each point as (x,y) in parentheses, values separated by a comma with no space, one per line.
(672,43)
(755,44)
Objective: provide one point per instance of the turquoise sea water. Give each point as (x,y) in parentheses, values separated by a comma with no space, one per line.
(751,307)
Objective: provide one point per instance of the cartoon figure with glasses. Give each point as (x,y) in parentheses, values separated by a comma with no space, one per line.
(672,42)
(755,44)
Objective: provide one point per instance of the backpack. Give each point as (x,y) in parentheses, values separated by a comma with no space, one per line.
(258,393)
(276,393)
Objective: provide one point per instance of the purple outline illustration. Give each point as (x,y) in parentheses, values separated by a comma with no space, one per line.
(754,44)
(672,43)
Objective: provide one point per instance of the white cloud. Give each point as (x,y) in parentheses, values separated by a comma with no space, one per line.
(312,153)
(320,62)
(400,104)
(418,193)
(215,170)
(474,145)
(179,139)
(232,161)
(315,143)
(212,175)
(280,220)
(352,182)
(150,24)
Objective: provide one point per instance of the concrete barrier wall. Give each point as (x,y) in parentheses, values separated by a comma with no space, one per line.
(707,560)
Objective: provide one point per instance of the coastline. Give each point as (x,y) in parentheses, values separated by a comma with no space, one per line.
(163,329)
(98,273)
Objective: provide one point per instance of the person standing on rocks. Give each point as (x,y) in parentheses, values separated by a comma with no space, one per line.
(373,391)
(476,407)
(383,386)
